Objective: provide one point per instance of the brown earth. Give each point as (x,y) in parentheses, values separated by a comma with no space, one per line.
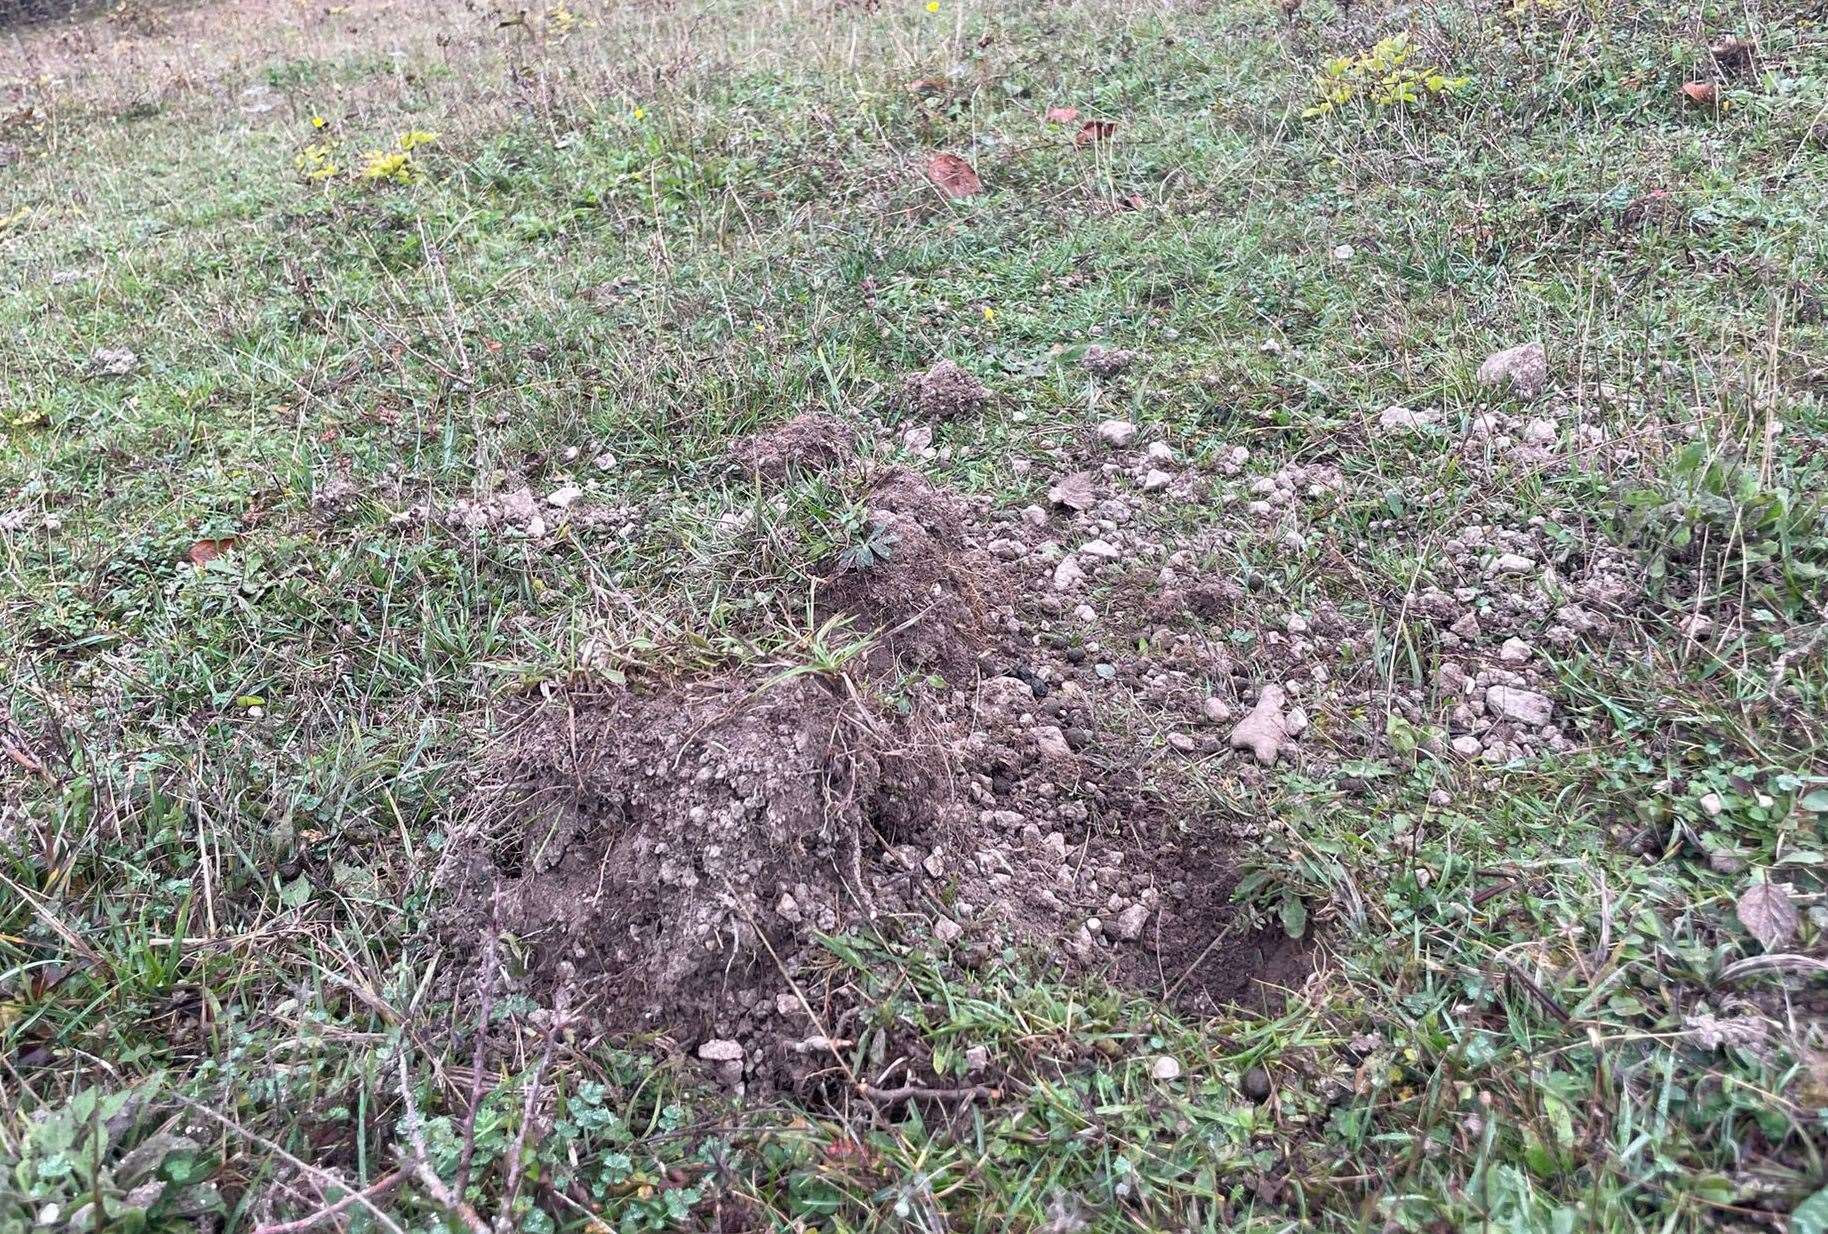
(674,848)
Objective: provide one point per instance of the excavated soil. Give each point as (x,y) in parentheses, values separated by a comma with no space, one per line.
(674,849)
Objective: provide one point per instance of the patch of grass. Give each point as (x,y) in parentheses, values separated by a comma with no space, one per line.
(644,231)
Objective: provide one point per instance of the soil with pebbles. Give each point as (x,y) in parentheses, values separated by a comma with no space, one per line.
(674,848)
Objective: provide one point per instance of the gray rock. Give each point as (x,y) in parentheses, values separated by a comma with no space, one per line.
(1525,368)
(1523,706)
(1396,418)
(1051,742)
(1117,432)
(721,1050)
(1129,924)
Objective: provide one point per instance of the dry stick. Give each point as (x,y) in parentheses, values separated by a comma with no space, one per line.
(1542,996)
(911,1092)
(324,1178)
(422,1160)
(1781,961)
(373,1191)
(485,990)
(556,1028)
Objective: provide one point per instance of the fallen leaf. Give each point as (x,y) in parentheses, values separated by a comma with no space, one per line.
(1062,115)
(205,551)
(1811,1216)
(1094,130)
(1765,910)
(1074,491)
(1131,201)
(926,85)
(953,175)
(1701,93)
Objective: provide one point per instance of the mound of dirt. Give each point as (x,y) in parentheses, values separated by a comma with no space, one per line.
(927,599)
(661,844)
(680,849)
(809,443)
(944,392)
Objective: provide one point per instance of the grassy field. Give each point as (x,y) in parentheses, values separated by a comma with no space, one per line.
(370,380)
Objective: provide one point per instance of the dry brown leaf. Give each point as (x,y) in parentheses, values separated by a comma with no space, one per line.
(1094,130)
(926,85)
(953,175)
(1701,93)
(205,551)
(1765,910)
(1073,491)
(1062,115)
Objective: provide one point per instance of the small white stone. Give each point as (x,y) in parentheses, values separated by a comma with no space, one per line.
(1516,651)
(1100,548)
(1711,805)
(721,1050)
(1296,624)
(1157,479)
(1216,710)
(559,498)
(1159,452)
(1511,563)
(1165,1067)
(946,931)
(1128,925)
(1467,747)
(1051,741)
(1523,706)
(1399,418)
(1116,432)
(1068,574)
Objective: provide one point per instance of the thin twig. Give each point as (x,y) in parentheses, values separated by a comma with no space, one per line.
(485,992)
(422,1161)
(1782,961)
(919,1092)
(323,1177)
(366,1195)
(554,1030)
(1535,991)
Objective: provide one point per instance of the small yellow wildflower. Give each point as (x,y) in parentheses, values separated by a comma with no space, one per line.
(315,163)
(416,137)
(990,314)
(318,122)
(395,165)
(932,6)
(640,113)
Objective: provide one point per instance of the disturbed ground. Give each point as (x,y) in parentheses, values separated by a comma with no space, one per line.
(901,616)
(972,778)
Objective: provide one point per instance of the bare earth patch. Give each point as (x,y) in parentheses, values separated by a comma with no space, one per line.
(681,845)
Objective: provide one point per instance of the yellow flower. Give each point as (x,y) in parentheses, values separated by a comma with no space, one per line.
(393,165)
(318,122)
(416,137)
(932,6)
(640,113)
(990,314)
